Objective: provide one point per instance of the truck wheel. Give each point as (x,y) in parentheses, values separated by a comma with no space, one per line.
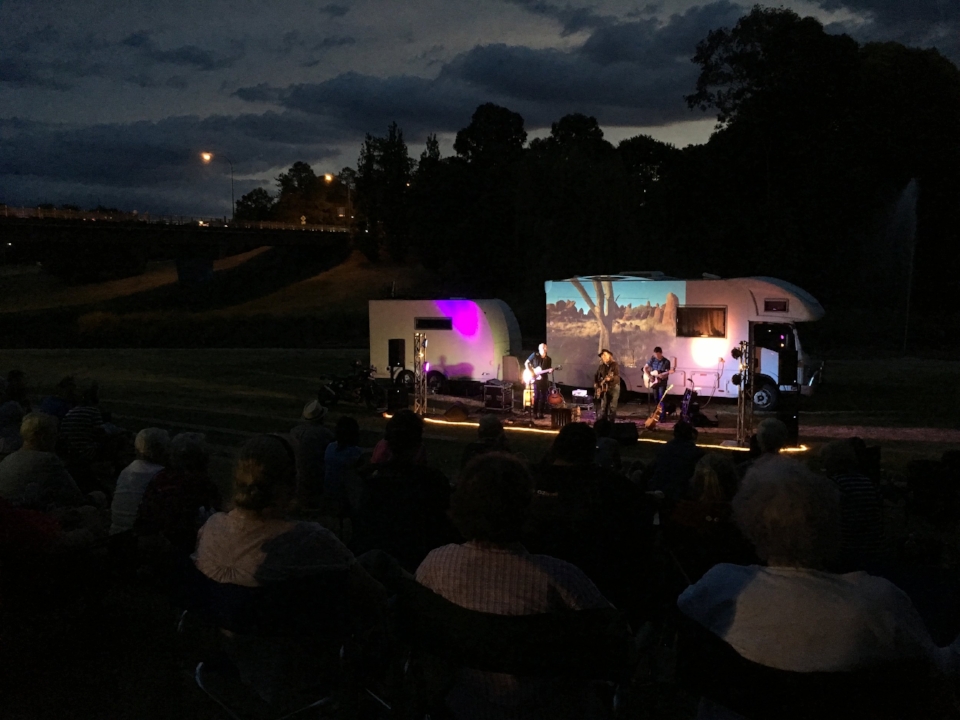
(436,382)
(766,396)
(406,379)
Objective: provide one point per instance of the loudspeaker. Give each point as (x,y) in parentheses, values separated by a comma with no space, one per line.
(456,413)
(789,414)
(397,398)
(396,353)
(624,433)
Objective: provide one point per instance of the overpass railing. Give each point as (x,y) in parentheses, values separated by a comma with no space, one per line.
(34,213)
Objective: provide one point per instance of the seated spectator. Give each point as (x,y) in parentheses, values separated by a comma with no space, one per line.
(700,530)
(151,445)
(310,441)
(255,545)
(82,427)
(34,475)
(490,438)
(11,415)
(591,517)
(861,507)
(790,621)
(62,401)
(340,460)
(16,390)
(403,506)
(180,497)
(492,572)
(675,463)
(770,437)
(608,449)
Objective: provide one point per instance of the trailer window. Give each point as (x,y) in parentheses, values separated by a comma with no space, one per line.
(772,306)
(433,323)
(709,322)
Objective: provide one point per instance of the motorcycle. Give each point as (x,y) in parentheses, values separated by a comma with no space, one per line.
(358,387)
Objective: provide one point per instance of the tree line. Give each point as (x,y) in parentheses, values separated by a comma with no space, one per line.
(834,165)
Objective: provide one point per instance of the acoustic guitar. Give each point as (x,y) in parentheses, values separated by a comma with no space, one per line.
(651,422)
(651,377)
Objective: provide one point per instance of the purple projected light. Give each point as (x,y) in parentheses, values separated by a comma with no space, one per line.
(464,315)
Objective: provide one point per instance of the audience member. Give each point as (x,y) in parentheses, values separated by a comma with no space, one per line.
(492,572)
(766,443)
(608,449)
(861,507)
(62,401)
(310,441)
(16,390)
(11,415)
(791,615)
(340,460)
(403,505)
(700,530)
(255,545)
(151,445)
(591,517)
(180,497)
(34,475)
(82,427)
(675,463)
(490,438)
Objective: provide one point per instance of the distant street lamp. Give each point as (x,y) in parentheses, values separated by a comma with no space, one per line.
(328,178)
(207,158)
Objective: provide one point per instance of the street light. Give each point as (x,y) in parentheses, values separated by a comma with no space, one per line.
(207,158)
(328,178)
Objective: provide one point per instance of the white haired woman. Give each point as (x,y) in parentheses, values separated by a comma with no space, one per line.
(34,475)
(789,639)
(152,446)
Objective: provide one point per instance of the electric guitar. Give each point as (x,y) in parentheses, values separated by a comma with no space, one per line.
(651,422)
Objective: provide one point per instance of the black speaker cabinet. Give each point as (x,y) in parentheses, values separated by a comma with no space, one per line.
(788,413)
(497,396)
(397,353)
(625,433)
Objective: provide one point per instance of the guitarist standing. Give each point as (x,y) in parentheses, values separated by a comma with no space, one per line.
(607,386)
(659,367)
(540,364)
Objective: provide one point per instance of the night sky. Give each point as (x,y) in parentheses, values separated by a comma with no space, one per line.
(111,102)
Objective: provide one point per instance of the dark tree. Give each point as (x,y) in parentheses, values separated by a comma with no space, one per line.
(495,136)
(384,172)
(255,205)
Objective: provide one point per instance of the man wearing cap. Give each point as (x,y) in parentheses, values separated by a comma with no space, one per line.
(658,367)
(606,384)
(310,440)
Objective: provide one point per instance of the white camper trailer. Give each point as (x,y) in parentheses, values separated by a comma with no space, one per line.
(696,322)
(467,339)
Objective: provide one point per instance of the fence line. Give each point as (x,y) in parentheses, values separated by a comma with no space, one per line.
(127,217)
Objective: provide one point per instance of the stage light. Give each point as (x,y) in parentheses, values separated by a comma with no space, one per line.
(736,354)
(736,379)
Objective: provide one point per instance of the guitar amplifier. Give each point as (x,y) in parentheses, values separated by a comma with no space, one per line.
(498,395)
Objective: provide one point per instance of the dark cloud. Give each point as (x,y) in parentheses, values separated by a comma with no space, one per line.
(21,74)
(188,55)
(572,19)
(335,11)
(334,41)
(124,160)
(899,12)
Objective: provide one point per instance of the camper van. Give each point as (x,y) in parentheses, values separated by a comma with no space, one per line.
(697,323)
(466,339)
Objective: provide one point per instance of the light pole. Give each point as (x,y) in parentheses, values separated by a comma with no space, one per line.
(207,158)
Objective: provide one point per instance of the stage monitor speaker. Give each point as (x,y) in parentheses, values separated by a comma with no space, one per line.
(397,398)
(625,433)
(397,353)
(456,413)
(498,395)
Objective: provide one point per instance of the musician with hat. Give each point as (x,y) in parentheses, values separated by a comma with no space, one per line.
(606,385)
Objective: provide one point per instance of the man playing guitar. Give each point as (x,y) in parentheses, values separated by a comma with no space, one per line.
(606,385)
(541,365)
(658,370)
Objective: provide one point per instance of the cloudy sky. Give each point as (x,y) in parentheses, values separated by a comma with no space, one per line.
(111,101)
